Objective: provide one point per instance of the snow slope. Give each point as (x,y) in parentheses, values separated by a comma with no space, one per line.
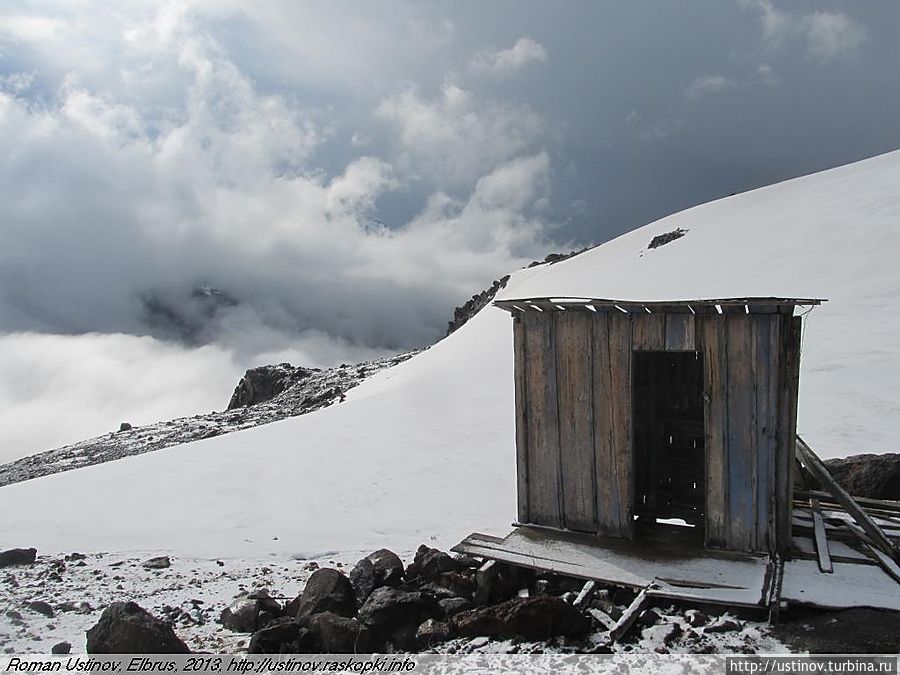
(424,452)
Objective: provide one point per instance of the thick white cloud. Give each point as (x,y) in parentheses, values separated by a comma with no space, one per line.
(526,50)
(456,136)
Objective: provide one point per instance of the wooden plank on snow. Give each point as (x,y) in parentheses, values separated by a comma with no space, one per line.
(542,431)
(576,433)
(824,556)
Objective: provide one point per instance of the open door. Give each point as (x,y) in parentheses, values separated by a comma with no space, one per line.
(670,463)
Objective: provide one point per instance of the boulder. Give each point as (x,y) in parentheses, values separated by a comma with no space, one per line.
(451,606)
(327,590)
(723,625)
(872,476)
(250,612)
(381,568)
(283,636)
(430,563)
(536,618)
(18,556)
(127,628)
(335,634)
(157,563)
(41,607)
(390,609)
(61,648)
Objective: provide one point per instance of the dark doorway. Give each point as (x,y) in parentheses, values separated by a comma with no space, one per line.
(670,473)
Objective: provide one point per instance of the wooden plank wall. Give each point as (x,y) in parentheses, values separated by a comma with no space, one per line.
(574,425)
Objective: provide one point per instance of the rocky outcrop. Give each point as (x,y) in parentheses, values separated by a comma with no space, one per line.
(381,568)
(266,382)
(666,238)
(474,305)
(127,628)
(326,591)
(538,618)
(872,476)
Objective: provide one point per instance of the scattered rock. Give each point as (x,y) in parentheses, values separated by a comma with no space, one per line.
(125,426)
(158,563)
(537,618)
(723,625)
(389,609)
(663,239)
(327,590)
(75,556)
(41,607)
(695,618)
(127,628)
(61,648)
(381,568)
(432,633)
(336,634)
(18,556)
(13,614)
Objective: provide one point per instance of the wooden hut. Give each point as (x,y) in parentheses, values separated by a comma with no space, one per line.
(631,415)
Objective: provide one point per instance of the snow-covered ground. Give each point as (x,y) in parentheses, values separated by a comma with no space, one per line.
(424,452)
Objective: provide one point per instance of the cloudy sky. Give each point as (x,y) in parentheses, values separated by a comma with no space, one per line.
(191,188)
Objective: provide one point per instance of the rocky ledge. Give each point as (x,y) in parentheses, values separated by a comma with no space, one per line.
(263,395)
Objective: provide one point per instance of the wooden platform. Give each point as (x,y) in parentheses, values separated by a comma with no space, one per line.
(667,561)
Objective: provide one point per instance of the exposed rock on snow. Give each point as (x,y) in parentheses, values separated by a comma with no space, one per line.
(318,389)
(852,631)
(474,305)
(250,612)
(127,628)
(663,239)
(17,556)
(873,476)
(326,591)
(381,568)
(335,634)
(429,563)
(157,563)
(264,383)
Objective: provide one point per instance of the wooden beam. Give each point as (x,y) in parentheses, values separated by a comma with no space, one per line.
(820,472)
(629,616)
(820,538)
(886,563)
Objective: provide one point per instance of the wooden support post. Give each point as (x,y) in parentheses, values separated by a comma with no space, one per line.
(820,472)
(820,538)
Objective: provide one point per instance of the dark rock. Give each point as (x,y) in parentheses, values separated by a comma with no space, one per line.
(61,648)
(283,636)
(125,426)
(18,556)
(538,618)
(336,634)
(496,582)
(872,476)
(241,615)
(381,568)
(432,633)
(674,632)
(695,618)
(327,590)
(75,556)
(649,617)
(403,639)
(265,383)
(41,607)
(851,631)
(723,625)
(158,563)
(663,239)
(388,609)
(451,606)
(127,628)
(466,560)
